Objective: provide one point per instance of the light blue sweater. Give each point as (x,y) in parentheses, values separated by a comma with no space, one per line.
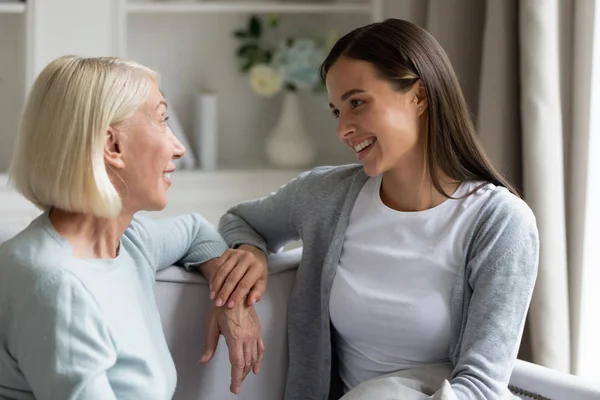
(89,328)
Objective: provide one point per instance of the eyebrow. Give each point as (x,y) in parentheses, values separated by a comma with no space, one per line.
(346,95)
(162,102)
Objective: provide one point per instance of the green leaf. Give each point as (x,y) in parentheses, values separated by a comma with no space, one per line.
(246,49)
(247,65)
(273,20)
(240,34)
(268,55)
(255,27)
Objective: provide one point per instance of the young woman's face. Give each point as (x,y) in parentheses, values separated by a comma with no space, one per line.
(379,123)
(148,149)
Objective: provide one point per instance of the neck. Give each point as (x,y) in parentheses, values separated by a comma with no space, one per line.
(409,187)
(90,236)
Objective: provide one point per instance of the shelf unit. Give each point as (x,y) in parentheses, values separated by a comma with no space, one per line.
(15,50)
(190,43)
(12,8)
(197,53)
(247,7)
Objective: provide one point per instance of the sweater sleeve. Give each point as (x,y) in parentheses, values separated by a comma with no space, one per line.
(185,240)
(501,272)
(64,346)
(268,222)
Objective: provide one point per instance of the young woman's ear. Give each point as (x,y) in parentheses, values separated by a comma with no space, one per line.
(420,98)
(113,155)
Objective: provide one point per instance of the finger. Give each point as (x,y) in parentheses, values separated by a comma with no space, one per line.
(220,277)
(257,292)
(247,372)
(236,358)
(249,356)
(220,261)
(222,270)
(257,358)
(234,277)
(243,287)
(212,340)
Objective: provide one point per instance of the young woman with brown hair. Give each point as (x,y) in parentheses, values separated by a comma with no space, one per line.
(421,255)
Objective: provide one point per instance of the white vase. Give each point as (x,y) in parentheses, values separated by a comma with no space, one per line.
(289,145)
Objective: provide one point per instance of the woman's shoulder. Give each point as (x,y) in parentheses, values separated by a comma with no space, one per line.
(330,178)
(502,205)
(30,259)
(504,222)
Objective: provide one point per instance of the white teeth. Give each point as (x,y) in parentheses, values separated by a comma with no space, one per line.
(363,145)
(167,175)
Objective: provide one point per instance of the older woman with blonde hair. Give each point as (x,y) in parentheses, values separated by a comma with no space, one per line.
(78,318)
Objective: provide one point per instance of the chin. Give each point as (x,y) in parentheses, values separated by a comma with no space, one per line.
(158,205)
(372,169)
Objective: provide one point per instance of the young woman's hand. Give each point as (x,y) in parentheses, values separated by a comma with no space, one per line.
(240,272)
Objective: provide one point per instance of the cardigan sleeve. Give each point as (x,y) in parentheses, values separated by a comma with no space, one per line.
(502,265)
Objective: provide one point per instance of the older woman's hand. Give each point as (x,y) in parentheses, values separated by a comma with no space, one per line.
(241,328)
(239,272)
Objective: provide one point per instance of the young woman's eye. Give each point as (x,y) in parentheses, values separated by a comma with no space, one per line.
(356,103)
(335,113)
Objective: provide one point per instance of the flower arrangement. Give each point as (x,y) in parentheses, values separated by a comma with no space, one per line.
(289,64)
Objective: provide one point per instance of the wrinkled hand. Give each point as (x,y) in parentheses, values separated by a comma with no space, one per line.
(241,328)
(239,272)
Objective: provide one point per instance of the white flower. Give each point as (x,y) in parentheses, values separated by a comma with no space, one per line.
(266,81)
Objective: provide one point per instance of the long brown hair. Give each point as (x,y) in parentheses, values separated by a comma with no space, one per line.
(403,53)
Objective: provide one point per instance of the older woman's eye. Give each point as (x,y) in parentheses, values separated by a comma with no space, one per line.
(165,120)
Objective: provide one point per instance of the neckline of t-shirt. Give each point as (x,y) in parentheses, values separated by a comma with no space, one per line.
(414,214)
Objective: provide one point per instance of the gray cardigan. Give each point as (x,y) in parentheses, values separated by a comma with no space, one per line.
(489,301)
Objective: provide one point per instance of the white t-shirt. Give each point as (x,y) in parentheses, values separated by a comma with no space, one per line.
(390,300)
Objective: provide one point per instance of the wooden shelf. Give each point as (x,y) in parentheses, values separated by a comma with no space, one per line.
(247,7)
(12,8)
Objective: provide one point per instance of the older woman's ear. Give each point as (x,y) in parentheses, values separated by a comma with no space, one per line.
(112,149)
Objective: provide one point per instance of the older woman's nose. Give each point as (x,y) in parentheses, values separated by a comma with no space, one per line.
(180,149)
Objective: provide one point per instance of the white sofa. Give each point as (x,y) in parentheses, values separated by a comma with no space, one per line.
(182,298)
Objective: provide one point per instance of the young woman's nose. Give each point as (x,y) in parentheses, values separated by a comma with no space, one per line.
(345,127)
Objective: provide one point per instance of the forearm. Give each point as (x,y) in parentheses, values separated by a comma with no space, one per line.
(205,247)
(267,223)
(208,268)
(237,233)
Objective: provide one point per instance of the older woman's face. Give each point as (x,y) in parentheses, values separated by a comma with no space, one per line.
(148,151)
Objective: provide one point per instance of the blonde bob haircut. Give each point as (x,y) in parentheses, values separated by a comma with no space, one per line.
(59,151)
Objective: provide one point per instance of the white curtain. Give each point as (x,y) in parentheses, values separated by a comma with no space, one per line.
(561,178)
(530,70)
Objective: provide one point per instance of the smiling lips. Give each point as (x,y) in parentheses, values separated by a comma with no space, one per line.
(363,147)
(166,175)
